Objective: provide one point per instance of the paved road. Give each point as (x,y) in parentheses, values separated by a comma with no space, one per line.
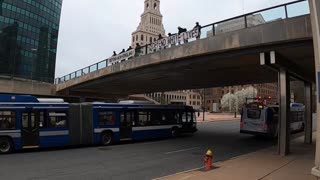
(138,161)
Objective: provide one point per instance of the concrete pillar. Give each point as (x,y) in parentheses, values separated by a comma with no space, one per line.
(315,21)
(284,124)
(308,113)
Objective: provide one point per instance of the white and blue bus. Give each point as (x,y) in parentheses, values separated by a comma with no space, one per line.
(262,119)
(28,122)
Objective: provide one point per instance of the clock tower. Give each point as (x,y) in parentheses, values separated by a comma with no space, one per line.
(151,24)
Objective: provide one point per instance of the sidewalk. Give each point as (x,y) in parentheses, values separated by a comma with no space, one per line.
(261,165)
(213,117)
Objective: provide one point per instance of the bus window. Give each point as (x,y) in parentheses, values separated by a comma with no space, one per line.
(7,120)
(25,119)
(156,117)
(174,118)
(131,118)
(177,118)
(144,118)
(42,121)
(184,118)
(189,116)
(253,113)
(107,118)
(57,119)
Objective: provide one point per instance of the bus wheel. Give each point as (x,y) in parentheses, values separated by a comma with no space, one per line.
(106,138)
(5,145)
(175,132)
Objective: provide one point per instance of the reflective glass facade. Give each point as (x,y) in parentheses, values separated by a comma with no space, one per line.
(28,38)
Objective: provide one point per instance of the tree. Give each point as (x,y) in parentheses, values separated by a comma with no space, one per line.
(234,102)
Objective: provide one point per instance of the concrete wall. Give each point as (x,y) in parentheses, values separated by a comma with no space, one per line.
(22,86)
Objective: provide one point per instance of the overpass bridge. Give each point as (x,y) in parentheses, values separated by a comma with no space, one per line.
(226,59)
(277,50)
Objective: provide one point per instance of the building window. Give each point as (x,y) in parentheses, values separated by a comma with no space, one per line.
(132,38)
(141,37)
(150,39)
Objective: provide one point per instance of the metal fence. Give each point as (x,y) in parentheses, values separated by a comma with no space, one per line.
(276,13)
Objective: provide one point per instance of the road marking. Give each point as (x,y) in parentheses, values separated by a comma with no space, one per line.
(182,150)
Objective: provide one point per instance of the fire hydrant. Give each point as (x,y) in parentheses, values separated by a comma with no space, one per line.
(208,160)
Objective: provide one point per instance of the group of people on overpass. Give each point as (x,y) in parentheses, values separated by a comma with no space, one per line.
(180,31)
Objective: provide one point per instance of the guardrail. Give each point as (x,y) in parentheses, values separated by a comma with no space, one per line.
(275,13)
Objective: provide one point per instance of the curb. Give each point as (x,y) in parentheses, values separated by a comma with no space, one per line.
(215,163)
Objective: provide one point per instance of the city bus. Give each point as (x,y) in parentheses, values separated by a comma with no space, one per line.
(28,122)
(261,119)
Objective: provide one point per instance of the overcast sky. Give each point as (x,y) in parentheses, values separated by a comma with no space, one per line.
(90,30)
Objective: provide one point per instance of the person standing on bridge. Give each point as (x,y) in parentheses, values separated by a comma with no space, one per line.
(180,32)
(198,26)
(171,40)
(130,48)
(137,49)
(123,51)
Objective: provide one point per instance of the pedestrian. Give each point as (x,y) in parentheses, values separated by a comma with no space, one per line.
(130,48)
(137,49)
(114,53)
(180,32)
(172,40)
(198,26)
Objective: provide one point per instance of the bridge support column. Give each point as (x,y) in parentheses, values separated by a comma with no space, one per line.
(284,125)
(315,21)
(308,113)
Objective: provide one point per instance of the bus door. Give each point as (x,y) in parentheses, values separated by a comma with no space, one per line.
(126,122)
(30,129)
(187,121)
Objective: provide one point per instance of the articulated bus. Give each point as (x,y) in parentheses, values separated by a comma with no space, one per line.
(27,122)
(261,119)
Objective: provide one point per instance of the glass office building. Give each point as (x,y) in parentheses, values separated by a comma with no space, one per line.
(28,38)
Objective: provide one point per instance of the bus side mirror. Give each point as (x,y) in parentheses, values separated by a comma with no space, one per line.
(198,114)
